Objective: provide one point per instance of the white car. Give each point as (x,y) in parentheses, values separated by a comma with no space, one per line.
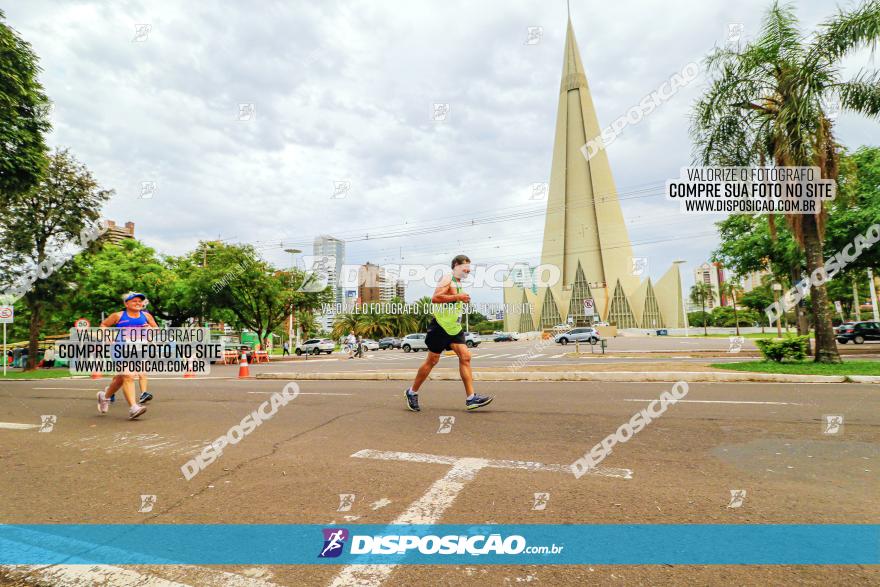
(413,342)
(590,335)
(370,344)
(316,346)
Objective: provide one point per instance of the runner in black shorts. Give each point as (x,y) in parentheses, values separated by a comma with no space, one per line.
(445,333)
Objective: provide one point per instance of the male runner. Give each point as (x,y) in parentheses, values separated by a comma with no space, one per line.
(132,317)
(445,333)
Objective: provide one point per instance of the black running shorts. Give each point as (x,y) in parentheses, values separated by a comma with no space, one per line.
(438,340)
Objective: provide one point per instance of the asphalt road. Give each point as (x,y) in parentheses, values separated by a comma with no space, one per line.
(766,439)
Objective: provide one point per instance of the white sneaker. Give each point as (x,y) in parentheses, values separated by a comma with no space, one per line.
(135,411)
(103,403)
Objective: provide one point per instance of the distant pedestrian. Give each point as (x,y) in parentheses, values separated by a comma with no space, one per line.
(285,349)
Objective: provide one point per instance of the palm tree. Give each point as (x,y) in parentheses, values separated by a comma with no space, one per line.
(345,323)
(375,325)
(731,288)
(701,292)
(771,102)
(422,314)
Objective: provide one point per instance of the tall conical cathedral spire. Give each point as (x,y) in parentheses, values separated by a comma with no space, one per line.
(584,232)
(584,223)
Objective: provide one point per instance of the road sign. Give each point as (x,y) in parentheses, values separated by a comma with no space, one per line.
(838,307)
(82,323)
(589,307)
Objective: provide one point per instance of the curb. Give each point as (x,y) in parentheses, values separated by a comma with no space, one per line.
(863,378)
(609,376)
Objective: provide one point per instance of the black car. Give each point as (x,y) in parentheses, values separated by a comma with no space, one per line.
(389,343)
(858,332)
(504,337)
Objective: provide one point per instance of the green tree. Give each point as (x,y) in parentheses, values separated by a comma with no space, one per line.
(700,293)
(37,228)
(422,313)
(758,299)
(259,296)
(768,103)
(23,116)
(101,277)
(731,289)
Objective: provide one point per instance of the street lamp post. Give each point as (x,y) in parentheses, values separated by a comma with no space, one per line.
(290,320)
(777,287)
(683,303)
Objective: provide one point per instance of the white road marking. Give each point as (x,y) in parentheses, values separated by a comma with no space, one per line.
(718,401)
(17,426)
(557,356)
(429,508)
(502,355)
(380,503)
(305,393)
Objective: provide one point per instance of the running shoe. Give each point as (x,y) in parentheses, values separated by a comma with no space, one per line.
(145,397)
(478,401)
(412,401)
(135,411)
(103,403)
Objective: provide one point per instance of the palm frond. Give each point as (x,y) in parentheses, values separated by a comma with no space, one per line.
(846,31)
(861,94)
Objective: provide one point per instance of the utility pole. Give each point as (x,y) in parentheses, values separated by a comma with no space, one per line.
(293,253)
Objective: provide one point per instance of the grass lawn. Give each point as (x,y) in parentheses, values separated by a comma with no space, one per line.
(38,374)
(805,367)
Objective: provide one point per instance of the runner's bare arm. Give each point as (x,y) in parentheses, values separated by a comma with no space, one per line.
(112,319)
(151,321)
(445,292)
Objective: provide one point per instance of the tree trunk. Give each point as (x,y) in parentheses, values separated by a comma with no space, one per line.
(803,328)
(705,331)
(36,308)
(857,311)
(735,316)
(826,345)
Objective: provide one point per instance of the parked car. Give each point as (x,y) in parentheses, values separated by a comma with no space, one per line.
(858,332)
(316,346)
(369,344)
(471,339)
(590,335)
(389,343)
(504,337)
(843,326)
(413,342)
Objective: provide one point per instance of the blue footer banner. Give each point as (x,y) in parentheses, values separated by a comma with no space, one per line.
(540,544)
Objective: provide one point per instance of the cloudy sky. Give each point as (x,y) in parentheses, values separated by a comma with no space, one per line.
(344,92)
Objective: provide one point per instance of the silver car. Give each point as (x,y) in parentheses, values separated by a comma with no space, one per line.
(590,335)
(316,346)
(413,342)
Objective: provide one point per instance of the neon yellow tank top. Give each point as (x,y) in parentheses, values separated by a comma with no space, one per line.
(448,316)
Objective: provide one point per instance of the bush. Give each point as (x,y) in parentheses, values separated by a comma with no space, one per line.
(792,347)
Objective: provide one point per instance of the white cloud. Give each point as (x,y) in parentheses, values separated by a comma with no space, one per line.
(343,91)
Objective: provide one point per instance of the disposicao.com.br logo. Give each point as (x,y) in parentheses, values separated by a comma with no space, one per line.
(450,544)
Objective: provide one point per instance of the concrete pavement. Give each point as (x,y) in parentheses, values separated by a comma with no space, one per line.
(764,438)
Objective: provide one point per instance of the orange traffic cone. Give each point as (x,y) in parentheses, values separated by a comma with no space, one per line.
(189,374)
(243,371)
